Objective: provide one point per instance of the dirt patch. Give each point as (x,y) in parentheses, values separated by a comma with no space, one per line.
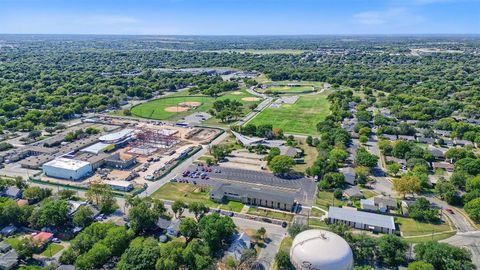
(250,99)
(236,93)
(192,104)
(176,109)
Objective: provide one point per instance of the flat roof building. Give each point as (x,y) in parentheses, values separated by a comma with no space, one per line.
(64,168)
(361,220)
(266,197)
(117,137)
(120,185)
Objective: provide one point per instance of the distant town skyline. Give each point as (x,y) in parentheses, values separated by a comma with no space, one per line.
(240,17)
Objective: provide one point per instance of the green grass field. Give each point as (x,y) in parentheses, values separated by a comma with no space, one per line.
(325,199)
(232,206)
(155,109)
(299,118)
(185,192)
(51,250)
(410,227)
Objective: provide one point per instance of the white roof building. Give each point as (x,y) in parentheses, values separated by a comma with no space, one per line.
(117,137)
(64,168)
(318,249)
(95,148)
(361,220)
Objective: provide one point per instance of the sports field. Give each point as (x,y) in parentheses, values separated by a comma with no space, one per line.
(288,89)
(299,118)
(173,107)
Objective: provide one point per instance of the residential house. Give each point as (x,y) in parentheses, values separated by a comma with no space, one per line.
(174,228)
(361,220)
(8,231)
(4,247)
(401,161)
(42,238)
(425,140)
(349,174)
(406,138)
(379,203)
(352,192)
(438,153)
(240,243)
(442,133)
(389,137)
(12,192)
(459,142)
(443,165)
(163,223)
(66,267)
(9,260)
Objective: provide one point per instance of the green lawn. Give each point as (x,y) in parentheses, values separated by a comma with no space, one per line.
(316,213)
(436,237)
(12,241)
(186,192)
(317,224)
(51,250)
(299,118)
(410,227)
(232,206)
(155,109)
(325,199)
(270,214)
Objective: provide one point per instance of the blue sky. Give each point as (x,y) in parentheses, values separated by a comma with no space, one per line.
(240,17)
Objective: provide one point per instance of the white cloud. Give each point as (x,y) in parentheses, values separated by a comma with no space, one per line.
(106,20)
(392,16)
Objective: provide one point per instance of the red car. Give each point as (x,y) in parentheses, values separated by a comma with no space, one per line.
(449,210)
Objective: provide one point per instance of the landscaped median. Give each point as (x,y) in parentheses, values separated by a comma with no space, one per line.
(270,214)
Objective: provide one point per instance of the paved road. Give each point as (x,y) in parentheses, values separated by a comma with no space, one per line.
(469,240)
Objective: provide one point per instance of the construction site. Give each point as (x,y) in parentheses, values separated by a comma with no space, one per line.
(123,154)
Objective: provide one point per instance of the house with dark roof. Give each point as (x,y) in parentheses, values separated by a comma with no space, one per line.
(437,152)
(443,165)
(406,138)
(4,247)
(389,137)
(353,192)
(174,228)
(425,140)
(349,174)
(12,192)
(8,231)
(240,243)
(163,223)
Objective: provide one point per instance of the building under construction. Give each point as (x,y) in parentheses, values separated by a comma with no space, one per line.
(148,140)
